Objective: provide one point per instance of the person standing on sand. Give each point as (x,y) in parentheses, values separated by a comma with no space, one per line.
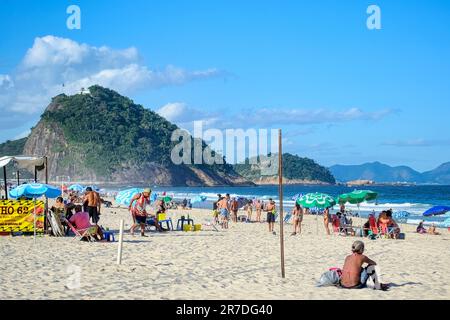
(258,208)
(234,206)
(223,208)
(297,214)
(354,276)
(249,211)
(271,209)
(138,210)
(326,220)
(92,198)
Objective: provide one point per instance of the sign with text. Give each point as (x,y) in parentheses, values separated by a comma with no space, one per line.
(18,215)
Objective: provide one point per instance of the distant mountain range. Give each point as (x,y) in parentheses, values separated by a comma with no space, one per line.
(383,173)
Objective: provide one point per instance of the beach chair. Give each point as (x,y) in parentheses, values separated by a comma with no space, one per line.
(374,231)
(210,224)
(287,217)
(87,233)
(55,223)
(162,218)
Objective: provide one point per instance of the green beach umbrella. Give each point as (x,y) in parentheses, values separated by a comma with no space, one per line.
(167,199)
(357,196)
(316,200)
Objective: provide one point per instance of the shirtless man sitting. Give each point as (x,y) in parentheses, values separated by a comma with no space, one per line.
(354,276)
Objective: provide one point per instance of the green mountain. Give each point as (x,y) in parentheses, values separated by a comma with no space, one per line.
(295,170)
(105,137)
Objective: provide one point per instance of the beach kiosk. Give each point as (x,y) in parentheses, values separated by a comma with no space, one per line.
(31,164)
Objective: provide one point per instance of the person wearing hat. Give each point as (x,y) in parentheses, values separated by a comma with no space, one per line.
(138,210)
(354,275)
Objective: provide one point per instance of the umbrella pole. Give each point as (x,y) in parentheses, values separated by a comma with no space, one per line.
(34,219)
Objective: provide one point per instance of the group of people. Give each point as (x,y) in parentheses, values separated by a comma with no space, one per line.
(226,208)
(80,213)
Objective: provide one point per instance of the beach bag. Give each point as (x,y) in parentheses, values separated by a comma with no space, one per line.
(330,278)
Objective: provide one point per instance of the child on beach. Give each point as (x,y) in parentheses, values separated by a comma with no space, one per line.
(354,276)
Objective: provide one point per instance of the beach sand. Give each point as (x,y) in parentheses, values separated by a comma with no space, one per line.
(242,262)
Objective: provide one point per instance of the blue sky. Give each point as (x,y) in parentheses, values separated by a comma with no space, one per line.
(359,95)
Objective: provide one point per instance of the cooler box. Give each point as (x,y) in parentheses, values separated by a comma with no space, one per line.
(187,227)
(197,227)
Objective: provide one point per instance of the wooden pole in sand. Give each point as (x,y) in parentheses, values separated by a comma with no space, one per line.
(280,197)
(119,250)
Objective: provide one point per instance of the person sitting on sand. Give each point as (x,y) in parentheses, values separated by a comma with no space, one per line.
(271,210)
(80,221)
(297,214)
(388,225)
(138,210)
(420,228)
(432,230)
(354,275)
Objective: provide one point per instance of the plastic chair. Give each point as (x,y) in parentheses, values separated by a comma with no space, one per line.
(87,233)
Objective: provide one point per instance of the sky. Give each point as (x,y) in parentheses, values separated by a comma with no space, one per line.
(342,93)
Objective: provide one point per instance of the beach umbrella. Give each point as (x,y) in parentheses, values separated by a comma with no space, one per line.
(197,199)
(153,197)
(124,197)
(35,190)
(167,199)
(95,188)
(357,196)
(76,187)
(435,211)
(401,215)
(316,200)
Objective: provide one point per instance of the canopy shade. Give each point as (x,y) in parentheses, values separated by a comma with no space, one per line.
(23,162)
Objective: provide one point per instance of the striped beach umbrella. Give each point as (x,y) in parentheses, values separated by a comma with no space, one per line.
(124,197)
(357,196)
(316,200)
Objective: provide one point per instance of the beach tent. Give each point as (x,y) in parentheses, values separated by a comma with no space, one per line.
(435,211)
(24,162)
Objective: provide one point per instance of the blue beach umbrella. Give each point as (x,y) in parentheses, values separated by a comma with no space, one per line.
(435,211)
(124,197)
(153,197)
(95,188)
(197,199)
(35,190)
(76,187)
(401,216)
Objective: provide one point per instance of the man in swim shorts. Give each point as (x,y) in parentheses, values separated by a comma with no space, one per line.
(354,276)
(271,209)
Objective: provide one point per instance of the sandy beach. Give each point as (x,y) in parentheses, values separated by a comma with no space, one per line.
(239,263)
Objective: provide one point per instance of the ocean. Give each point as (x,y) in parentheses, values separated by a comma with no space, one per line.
(413,199)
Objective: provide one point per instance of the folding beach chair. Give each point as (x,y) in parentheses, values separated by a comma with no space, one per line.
(374,231)
(210,224)
(87,233)
(55,223)
(287,218)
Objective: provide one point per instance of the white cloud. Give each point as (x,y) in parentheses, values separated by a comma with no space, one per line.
(416,143)
(55,65)
(182,114)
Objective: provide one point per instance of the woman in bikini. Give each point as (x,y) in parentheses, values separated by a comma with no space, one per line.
(297,214)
